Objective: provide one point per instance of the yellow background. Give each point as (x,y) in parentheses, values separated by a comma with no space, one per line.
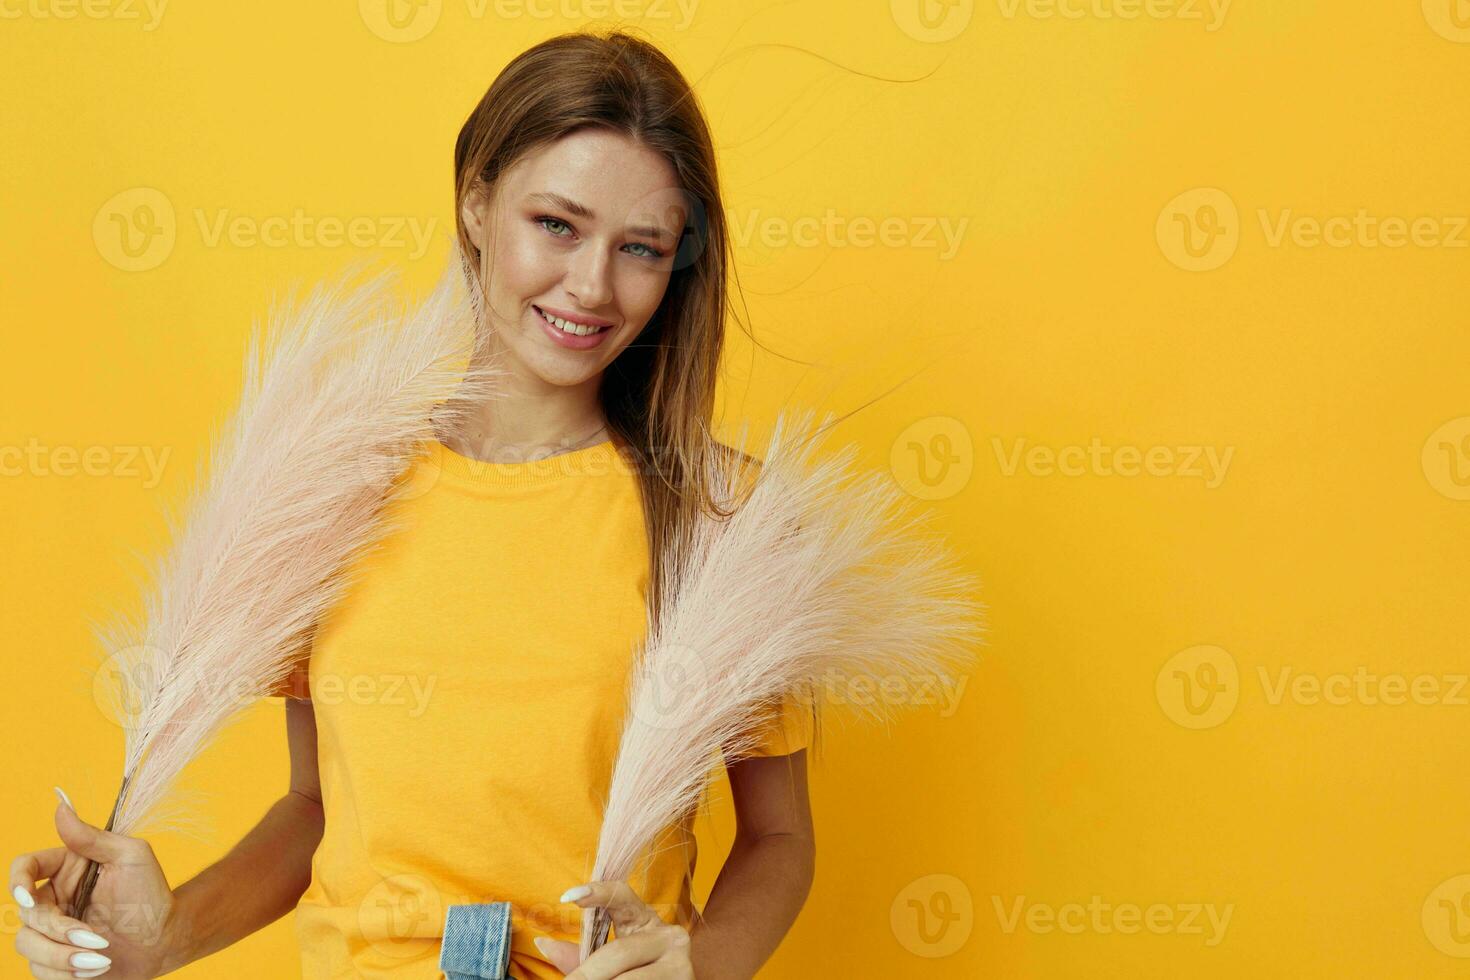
(1073,148)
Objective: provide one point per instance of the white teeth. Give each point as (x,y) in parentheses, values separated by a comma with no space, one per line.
(578,329)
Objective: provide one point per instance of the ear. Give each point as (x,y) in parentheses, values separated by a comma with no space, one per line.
(475,211)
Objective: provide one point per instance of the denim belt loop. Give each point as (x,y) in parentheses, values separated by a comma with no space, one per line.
(476,942)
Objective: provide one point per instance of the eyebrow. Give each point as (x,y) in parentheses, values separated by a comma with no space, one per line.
(582,211)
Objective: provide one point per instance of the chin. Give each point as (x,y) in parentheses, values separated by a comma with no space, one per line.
(549,374)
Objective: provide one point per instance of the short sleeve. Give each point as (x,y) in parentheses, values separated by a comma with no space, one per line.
(787,731)
(297,684)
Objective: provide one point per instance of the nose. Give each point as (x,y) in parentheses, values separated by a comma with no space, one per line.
(589,277)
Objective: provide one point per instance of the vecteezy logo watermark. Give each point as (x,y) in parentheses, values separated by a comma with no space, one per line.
(417,476)
(124,462)
(127,684)
(677,683)
(1198,687)
(149,13)
(932,21)
(401,915)
(1207,463)
(833,230)
(405,21)
(136,230)
(1201,686)
(1445,916)
(932,916)
(1200,230)
(400,21)
(933,457)
(1210,13)
(1204,919)
(1450,19)
(130,679)
(1446,458)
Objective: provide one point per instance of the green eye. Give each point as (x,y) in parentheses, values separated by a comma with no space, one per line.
(561,229)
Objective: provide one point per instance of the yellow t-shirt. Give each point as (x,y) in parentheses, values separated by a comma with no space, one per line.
(469,693)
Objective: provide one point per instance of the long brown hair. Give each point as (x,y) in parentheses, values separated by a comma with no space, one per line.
(658,394)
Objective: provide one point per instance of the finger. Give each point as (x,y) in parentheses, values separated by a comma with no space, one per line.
(628,912)
(559,953)
(45,953)
(662,970)
(56,925)
(102,846)
(30,868)
(50,973)
(622,955)
(46,894)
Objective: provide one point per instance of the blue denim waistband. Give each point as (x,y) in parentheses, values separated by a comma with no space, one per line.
(476,942)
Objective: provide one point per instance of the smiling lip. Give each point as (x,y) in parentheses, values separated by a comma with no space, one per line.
(568,340)
(582,318)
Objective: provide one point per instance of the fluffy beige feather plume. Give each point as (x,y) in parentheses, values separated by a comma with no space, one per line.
(352,379)
(818,575)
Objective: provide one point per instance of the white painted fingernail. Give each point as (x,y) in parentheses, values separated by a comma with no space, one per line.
(89,961)
(574,894)
(91,973)
(542,945)
(22,897)
(86,938)
(64,799)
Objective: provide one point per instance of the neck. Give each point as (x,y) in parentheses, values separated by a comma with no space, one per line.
(526,421)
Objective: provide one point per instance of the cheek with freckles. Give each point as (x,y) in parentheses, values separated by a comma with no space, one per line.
(638,291)
(522,268)
(640,296)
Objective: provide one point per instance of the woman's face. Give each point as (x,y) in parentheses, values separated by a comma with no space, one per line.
(584,229)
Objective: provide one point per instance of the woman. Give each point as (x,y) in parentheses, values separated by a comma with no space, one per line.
(453,730)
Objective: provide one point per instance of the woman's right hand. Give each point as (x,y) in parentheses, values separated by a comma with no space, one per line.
(130,923)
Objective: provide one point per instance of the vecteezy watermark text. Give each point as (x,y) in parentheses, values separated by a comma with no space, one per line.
(1211,13)
(833,230)
(149,13)
(128,462)
(895,690)
(1125,918)
(1208,463)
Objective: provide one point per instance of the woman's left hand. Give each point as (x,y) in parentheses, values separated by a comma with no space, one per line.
(645,943)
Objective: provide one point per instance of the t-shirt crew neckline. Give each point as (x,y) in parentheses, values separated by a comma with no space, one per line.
(599,459)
